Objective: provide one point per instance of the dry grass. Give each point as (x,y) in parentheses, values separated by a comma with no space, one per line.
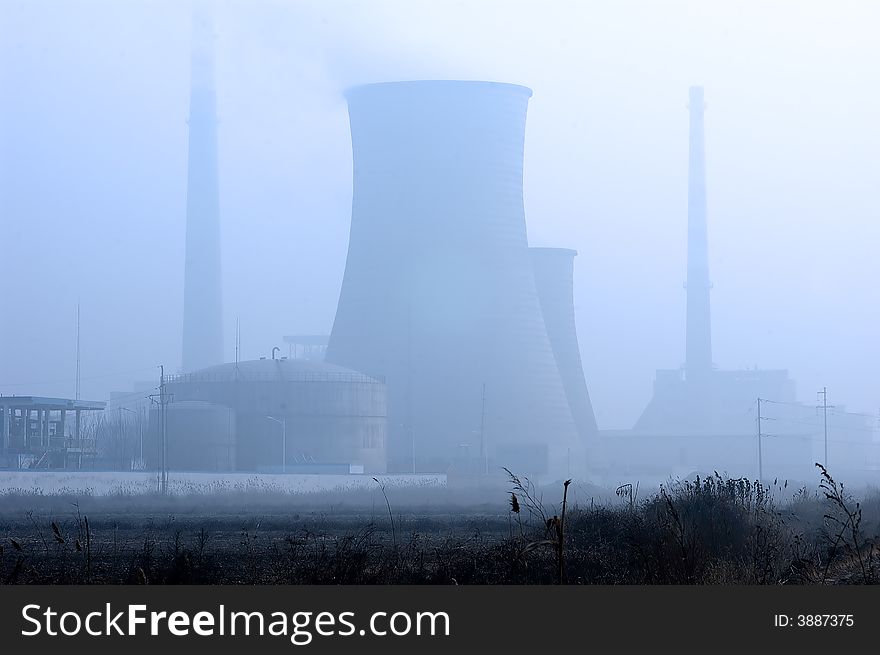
(705,531)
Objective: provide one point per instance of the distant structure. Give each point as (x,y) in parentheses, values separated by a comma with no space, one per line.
(37,433)
(202,295)
(698,399)
(439,294)
(306,346)
(273,416)
(700,418)
(554,278)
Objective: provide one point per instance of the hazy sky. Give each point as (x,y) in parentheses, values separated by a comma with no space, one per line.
(93,156)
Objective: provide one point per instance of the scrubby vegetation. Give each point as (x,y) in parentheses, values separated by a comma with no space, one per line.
(712,530)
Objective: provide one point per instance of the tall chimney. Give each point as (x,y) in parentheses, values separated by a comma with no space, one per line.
(439,294)
(699,329)
(554,278)
(202,296)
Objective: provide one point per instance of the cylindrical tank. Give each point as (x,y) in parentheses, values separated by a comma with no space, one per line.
(554,277)
(200,436)
(295,415)
(439,296)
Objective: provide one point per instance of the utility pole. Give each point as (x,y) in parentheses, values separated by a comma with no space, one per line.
(162,450)
(760,462)
(162,446)
(164,399)
(824,407)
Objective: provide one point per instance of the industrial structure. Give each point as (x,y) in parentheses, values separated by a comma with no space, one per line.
(37,433)
(439,294)
(703,419)
(699,399)
(202,295)
(454,347)
(306,346)
(699,417)
(270,415)
(554,279)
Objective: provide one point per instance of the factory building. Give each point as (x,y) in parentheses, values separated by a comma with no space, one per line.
(439,295)
(271,415)
(45,433)
(701,418)
(698,398)
(289,415)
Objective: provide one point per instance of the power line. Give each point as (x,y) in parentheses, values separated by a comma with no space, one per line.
(782,402)
(843,413)
(802,406)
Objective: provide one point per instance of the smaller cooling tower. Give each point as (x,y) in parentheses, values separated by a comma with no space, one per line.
(554,278)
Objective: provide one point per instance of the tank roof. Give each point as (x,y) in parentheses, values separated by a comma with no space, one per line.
(282,370)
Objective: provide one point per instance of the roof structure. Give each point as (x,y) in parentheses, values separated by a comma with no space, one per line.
(42,402)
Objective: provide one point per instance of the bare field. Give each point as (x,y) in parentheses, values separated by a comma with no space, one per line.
(104,483)
(706,531)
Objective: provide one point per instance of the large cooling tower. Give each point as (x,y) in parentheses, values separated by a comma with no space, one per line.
(439,296)
(202,298)
(554,277)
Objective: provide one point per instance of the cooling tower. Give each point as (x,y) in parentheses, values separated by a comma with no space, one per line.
(202,321)
(439,296)
(554,278)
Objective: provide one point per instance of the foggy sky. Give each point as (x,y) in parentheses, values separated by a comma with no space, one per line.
(93,176)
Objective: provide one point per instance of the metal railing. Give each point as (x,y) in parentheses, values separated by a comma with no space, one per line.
(278,376)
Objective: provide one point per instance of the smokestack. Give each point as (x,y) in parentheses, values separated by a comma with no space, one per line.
(699,329)
(439,295)
(202,296)
(554,278)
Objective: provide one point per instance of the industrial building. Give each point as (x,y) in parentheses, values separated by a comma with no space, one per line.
(454,345)
(699,416)
(704,419)
(271,415)
(698,398)
(40,433)
(439,295)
